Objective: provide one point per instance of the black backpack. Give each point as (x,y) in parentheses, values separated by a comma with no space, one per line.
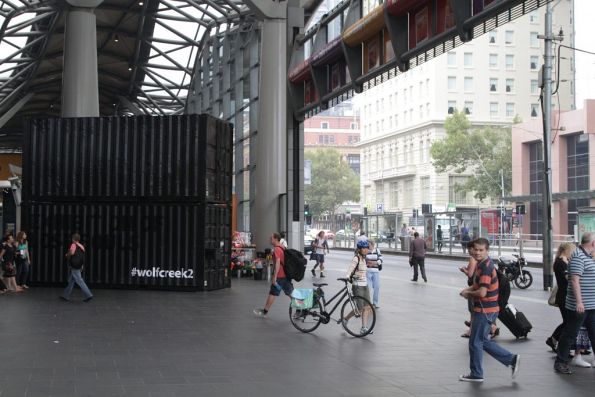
(77,260)
(503,289)
(295,264)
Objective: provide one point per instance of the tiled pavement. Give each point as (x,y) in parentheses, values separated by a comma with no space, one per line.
(150,343)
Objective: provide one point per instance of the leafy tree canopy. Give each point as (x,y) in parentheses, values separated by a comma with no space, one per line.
(478,151)
(333,182)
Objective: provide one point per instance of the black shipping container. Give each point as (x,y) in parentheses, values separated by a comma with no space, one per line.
(164,158)
(133,245)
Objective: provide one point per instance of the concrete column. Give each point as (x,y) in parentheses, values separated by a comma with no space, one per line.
(271,139)
(80,92)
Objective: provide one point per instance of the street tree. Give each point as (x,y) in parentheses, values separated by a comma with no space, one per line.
(480,152)
(333,182)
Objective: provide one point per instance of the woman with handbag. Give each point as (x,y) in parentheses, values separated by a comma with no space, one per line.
(8,254)
(563,255)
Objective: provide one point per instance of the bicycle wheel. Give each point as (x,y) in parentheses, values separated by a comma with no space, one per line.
(524,280)
(305,320)
(358,316)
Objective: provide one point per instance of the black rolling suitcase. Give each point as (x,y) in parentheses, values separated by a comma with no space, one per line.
(515,321)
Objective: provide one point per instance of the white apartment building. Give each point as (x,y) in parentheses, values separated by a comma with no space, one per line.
(493,79)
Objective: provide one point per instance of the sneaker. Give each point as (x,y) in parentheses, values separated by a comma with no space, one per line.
(364,330)
(321,275)
(313,273)
(64,299)
(86,300)
(551,342)
(515,365)
(414,279)
(376,307)
(470,378)
(562,368)
(578,361)
(259,312)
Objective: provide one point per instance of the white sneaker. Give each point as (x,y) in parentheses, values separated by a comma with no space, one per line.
(259,312)
(578,361)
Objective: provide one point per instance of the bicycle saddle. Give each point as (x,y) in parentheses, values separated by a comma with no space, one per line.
(319,284)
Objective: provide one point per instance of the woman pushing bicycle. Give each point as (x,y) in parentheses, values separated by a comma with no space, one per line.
(357,274)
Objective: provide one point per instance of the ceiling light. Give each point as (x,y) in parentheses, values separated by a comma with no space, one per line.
(140,3)
(116,38)
(129,69)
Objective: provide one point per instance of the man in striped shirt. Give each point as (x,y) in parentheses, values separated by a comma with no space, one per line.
(580,300)
(484,292)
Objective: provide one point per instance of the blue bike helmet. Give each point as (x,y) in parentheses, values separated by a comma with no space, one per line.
(363,244)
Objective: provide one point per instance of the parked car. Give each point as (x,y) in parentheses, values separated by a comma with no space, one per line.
(308,244)
(328,234)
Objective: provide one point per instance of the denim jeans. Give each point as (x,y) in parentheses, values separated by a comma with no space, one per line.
(374,283)
(570,331)
(22,272)
(75,276)
(479,340)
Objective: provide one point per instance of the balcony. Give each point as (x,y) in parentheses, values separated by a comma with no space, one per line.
(394,172)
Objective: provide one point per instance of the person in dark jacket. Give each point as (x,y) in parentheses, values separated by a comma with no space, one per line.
(564,253)
(417,256)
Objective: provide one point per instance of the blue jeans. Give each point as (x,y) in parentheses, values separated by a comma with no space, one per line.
(570,331)
(479,340)
(374,283)
(22,272)
(75,276)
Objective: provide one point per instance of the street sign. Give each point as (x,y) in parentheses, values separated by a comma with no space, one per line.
(379,207)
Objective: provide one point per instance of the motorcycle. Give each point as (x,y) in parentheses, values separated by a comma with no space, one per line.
(514,271)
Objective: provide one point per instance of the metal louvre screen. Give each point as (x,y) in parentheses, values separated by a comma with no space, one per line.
(150,196)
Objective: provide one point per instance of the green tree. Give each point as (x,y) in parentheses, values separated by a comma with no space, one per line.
(481,152)
(333,182)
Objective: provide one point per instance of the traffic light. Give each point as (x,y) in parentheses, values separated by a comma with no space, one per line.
(307,216)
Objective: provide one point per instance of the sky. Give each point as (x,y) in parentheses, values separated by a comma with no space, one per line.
(584,11)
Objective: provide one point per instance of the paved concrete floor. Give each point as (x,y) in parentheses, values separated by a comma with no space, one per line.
(150,343)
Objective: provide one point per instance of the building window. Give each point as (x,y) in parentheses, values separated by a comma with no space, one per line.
(425,189)
(509,61)
(510,109)
(421,112)
(534,17)
(353,139)
(536,187)
(324,125)
(493,109)
(468,59)
(451,58)
(456,196)
(534,109)
(534,62)
(326,139)
(353,126)
(509,37)
(408,197)
(405,94)
(493,61)
(533,40)
(492,35)
(493,85)
(452,83)
(394,194)
(468,107)
(509,85)
(534,87)
(468,84)
(577,147)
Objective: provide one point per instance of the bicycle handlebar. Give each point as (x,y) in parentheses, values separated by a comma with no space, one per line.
(344,279)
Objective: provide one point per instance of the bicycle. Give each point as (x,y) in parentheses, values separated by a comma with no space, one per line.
(354,307)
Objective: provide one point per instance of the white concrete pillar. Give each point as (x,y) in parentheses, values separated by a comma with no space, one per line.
(270,176)
(80,92)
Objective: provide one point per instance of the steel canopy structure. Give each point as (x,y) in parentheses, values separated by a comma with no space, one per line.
(146,52)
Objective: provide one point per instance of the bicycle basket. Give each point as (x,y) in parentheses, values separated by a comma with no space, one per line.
(302,298)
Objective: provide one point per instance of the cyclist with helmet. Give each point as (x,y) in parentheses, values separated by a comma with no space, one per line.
(357,274)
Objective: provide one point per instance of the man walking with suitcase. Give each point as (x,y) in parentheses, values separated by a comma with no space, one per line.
(484,293)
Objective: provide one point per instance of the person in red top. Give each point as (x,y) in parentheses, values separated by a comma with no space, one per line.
(76,260)
(279,282)
(484,292)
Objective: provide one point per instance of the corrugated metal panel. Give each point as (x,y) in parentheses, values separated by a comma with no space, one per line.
(159,245)
(167,158)
(150,196)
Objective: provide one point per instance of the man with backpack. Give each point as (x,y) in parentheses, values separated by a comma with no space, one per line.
(76,260)
(280,281)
